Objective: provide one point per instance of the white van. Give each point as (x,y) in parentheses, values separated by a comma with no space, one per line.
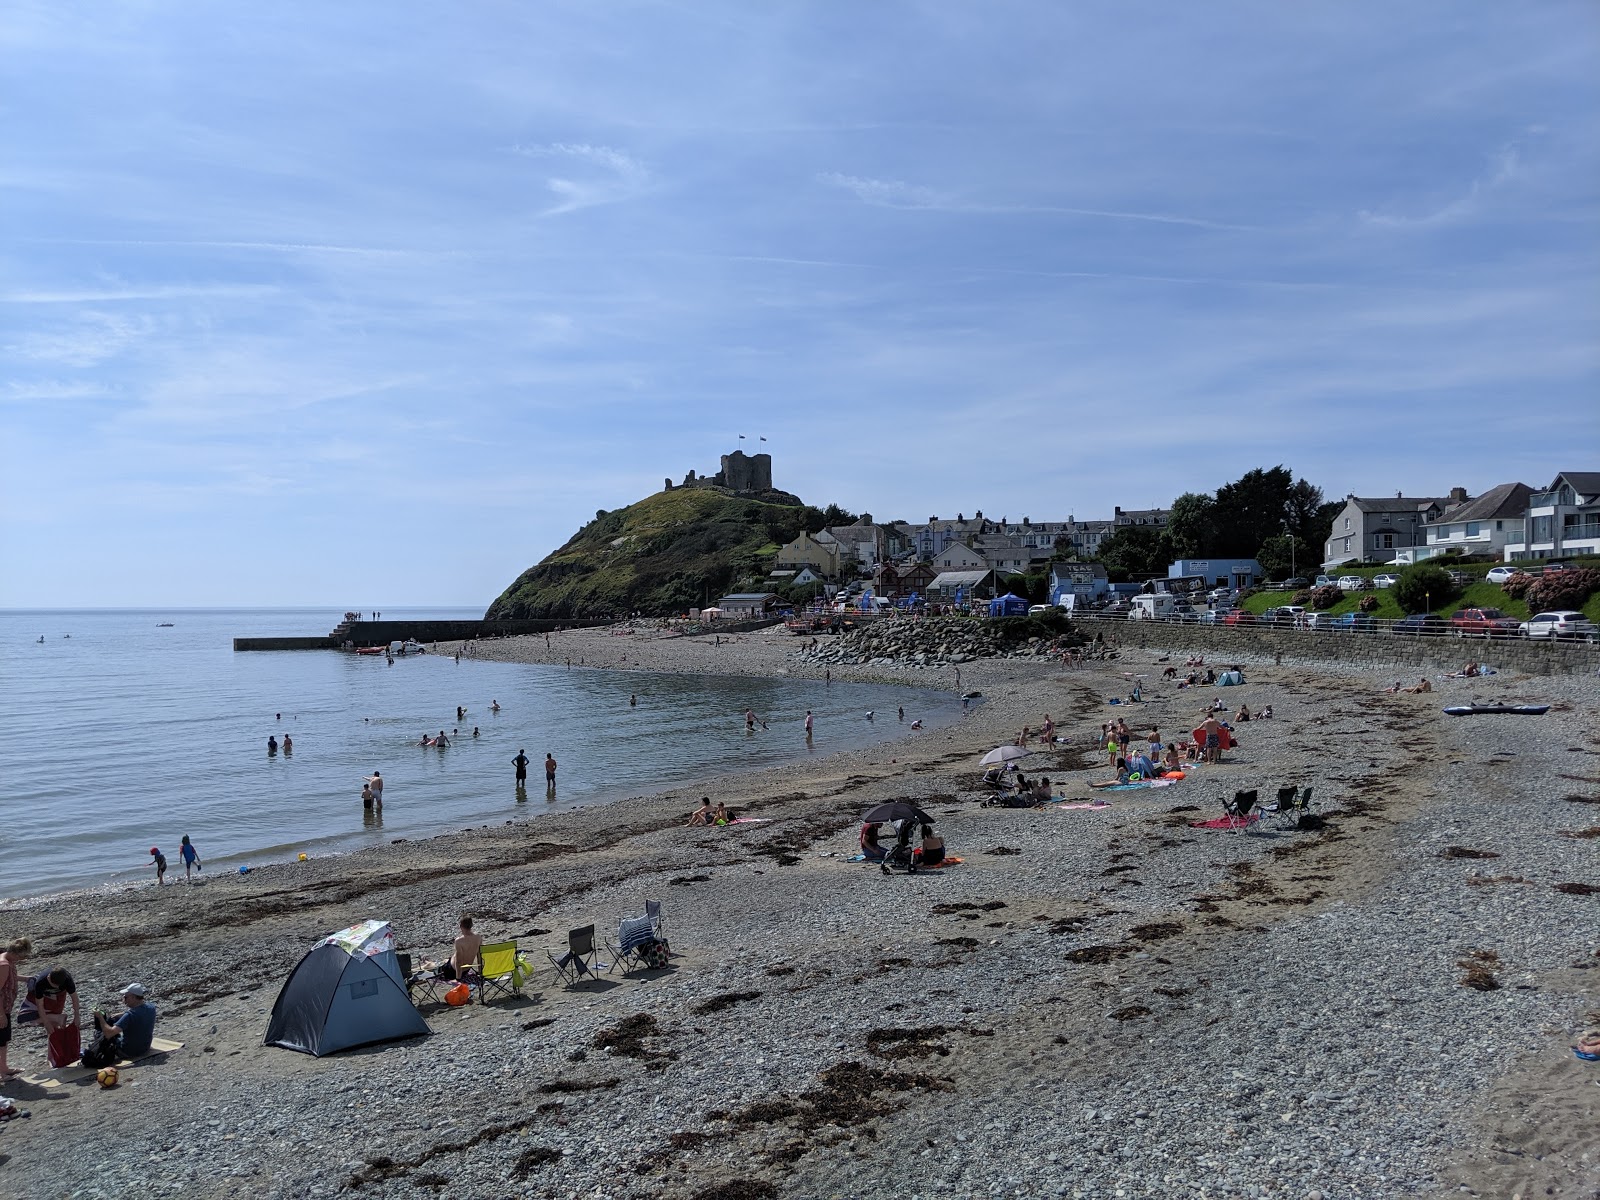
(1156,606)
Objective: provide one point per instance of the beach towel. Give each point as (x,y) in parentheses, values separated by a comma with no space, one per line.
(939,866)
(65,1075)
(1226,822)
(1062,807)
(751,821)
(1135,785)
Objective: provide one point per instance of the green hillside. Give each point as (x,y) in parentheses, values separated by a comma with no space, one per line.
(669,552)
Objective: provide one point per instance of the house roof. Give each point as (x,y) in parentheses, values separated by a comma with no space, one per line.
(748,596)
(959,578)
(1505,500)
(1585,483)
(1399,503)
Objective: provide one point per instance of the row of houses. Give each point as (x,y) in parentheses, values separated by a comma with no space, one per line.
(1511,521)
(960,545)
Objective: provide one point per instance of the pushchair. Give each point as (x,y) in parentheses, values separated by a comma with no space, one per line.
(900,856)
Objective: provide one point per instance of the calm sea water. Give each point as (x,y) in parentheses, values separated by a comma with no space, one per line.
(125,735)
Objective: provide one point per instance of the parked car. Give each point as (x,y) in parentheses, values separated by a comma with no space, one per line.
(1490,622)
(1351,622)
(1295,584)
(1239,616)
(1322,581)
(1500,574)
(1287,614)
(1385,581)
(1317,620)
(1563,624)
(1351,583)
(1035,610)
(1186,612)
(1422,624)
(1459,578)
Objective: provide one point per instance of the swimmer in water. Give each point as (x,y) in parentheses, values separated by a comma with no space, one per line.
(633,701)
(916,724)
(494,706)
(288,744)
(474,731)
(272,745)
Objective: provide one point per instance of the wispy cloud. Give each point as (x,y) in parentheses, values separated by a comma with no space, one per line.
(612,175)
(1503,167)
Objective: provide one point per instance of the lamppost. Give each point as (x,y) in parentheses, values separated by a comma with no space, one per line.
(1292,571)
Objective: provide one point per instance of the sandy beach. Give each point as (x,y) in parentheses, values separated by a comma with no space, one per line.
(1095,1003)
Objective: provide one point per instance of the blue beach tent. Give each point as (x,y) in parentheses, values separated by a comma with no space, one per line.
(346,992)
(1008,605)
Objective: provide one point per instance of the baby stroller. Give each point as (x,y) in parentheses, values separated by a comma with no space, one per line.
(900,857)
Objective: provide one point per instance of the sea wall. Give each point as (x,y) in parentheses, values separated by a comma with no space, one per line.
(1375,649)
(381,633)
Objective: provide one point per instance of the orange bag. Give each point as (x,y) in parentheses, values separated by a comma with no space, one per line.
(458,995)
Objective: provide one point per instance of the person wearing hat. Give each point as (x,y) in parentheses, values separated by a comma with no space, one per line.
(130,1034)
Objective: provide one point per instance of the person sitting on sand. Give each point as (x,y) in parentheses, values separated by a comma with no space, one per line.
(701,815)
(129,1035)
(1422,685)
(931,852)
(1170,760)
(1265,714)
(1211,677)
(869,842)
(1140,767)
(1244,712)
(1472,670)
(1041,791)
(1122,776)
(720,815)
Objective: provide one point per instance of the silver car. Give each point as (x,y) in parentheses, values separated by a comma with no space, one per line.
(1563,624)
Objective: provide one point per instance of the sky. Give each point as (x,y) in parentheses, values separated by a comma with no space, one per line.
(373,304)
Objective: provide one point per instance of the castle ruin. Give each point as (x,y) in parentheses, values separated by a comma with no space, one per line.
(741,475)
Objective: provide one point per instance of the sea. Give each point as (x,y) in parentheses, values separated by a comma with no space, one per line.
(126,729)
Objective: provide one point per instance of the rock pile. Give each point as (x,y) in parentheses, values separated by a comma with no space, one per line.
(943,641)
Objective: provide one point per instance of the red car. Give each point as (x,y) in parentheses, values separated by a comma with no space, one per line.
(1490,622)
(1239,616)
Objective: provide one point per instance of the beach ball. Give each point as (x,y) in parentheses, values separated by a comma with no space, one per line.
(107,1077)
(244,870)
(302,858)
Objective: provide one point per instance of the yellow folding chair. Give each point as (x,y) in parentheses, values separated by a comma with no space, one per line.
(504,972)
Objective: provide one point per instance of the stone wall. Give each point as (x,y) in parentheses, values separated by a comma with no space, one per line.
(744,473)
(381,633)
(1379,649)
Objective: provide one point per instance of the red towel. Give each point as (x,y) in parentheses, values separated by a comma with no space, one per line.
(1225,822)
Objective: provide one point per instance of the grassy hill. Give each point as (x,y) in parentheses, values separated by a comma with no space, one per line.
(672,551)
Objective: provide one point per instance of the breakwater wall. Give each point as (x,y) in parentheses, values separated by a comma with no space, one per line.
(381,633)
(1374,649)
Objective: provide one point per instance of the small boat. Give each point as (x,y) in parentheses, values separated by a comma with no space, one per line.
(164,625)
(371,649)
(1475,710)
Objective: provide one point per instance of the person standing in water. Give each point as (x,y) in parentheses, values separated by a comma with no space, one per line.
(272,744)
(549,772)
(808,724)
(520,762)
(375,781)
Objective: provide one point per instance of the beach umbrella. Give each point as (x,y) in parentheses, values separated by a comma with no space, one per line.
(897,810)
(1003,754)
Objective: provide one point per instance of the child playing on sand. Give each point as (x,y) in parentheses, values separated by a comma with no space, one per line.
(160,865)
(191,858)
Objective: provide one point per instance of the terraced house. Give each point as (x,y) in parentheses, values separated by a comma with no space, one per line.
(1373,529)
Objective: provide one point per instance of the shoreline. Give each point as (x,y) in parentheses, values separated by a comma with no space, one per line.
(1051,974)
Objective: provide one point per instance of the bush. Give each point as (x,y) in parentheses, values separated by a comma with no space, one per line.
(1563,589)
(1423,588)
(1369,604)
(1326,596)
(1302,597)
(1517,586)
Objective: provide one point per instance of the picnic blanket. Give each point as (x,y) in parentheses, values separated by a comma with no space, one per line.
(74,1074)
(1062,806)
(1226,822)
(1135,785)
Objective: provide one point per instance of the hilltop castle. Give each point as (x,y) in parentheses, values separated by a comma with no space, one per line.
(742,474)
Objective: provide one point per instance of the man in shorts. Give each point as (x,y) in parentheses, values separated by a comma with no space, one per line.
(549,771)
(1213,733)
(466,956)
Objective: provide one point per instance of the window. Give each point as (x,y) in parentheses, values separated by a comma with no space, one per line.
(1347,526)
(1347,540)
(1385,518)
(1499,526)
(1474,528)
(1383,541)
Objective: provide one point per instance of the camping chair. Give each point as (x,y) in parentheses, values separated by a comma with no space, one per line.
(1294,810)
(1238,809)
(633,935)
(579,961)
(1286,803)
(652,909)
(504,972)
(423,984)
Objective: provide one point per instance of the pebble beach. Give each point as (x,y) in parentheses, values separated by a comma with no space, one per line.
(1095,1003)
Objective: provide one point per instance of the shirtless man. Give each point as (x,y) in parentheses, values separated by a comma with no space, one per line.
(375,782)
(1212,729)
(466,955)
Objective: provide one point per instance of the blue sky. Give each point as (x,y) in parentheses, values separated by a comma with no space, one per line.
(373,304)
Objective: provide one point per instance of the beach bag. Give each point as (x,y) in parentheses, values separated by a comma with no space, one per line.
(458,995)
(102,1052)
(65,1045)
(654,955)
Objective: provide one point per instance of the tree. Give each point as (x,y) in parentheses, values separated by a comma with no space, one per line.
(1281,556)
(1192,525)
(1257,506)
(834,515)
(1423,588)
(1136,550)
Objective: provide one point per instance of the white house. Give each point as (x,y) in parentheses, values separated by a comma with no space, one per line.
(1482,526)
(958,557)
(1563,519)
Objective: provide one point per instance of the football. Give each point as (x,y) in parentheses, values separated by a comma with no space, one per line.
(107,1077)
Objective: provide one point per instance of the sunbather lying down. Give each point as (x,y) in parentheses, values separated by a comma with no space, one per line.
(1122,776)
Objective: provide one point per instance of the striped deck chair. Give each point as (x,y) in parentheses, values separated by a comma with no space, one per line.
(633,935)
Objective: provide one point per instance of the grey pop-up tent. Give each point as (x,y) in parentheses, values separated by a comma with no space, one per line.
(346,992)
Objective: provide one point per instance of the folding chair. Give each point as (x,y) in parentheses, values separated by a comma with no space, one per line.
(652,909)
(1286,805)
(419,983)
(504,972)
(1238,809)
(633,935)
(580,960)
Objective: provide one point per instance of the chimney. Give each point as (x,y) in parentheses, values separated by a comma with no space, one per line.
(1458,495)
(1399,496)
(1116,512)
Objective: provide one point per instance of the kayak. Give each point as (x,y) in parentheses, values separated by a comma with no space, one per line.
(1473,710)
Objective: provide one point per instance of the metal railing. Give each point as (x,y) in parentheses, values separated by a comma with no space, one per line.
(1356,623)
